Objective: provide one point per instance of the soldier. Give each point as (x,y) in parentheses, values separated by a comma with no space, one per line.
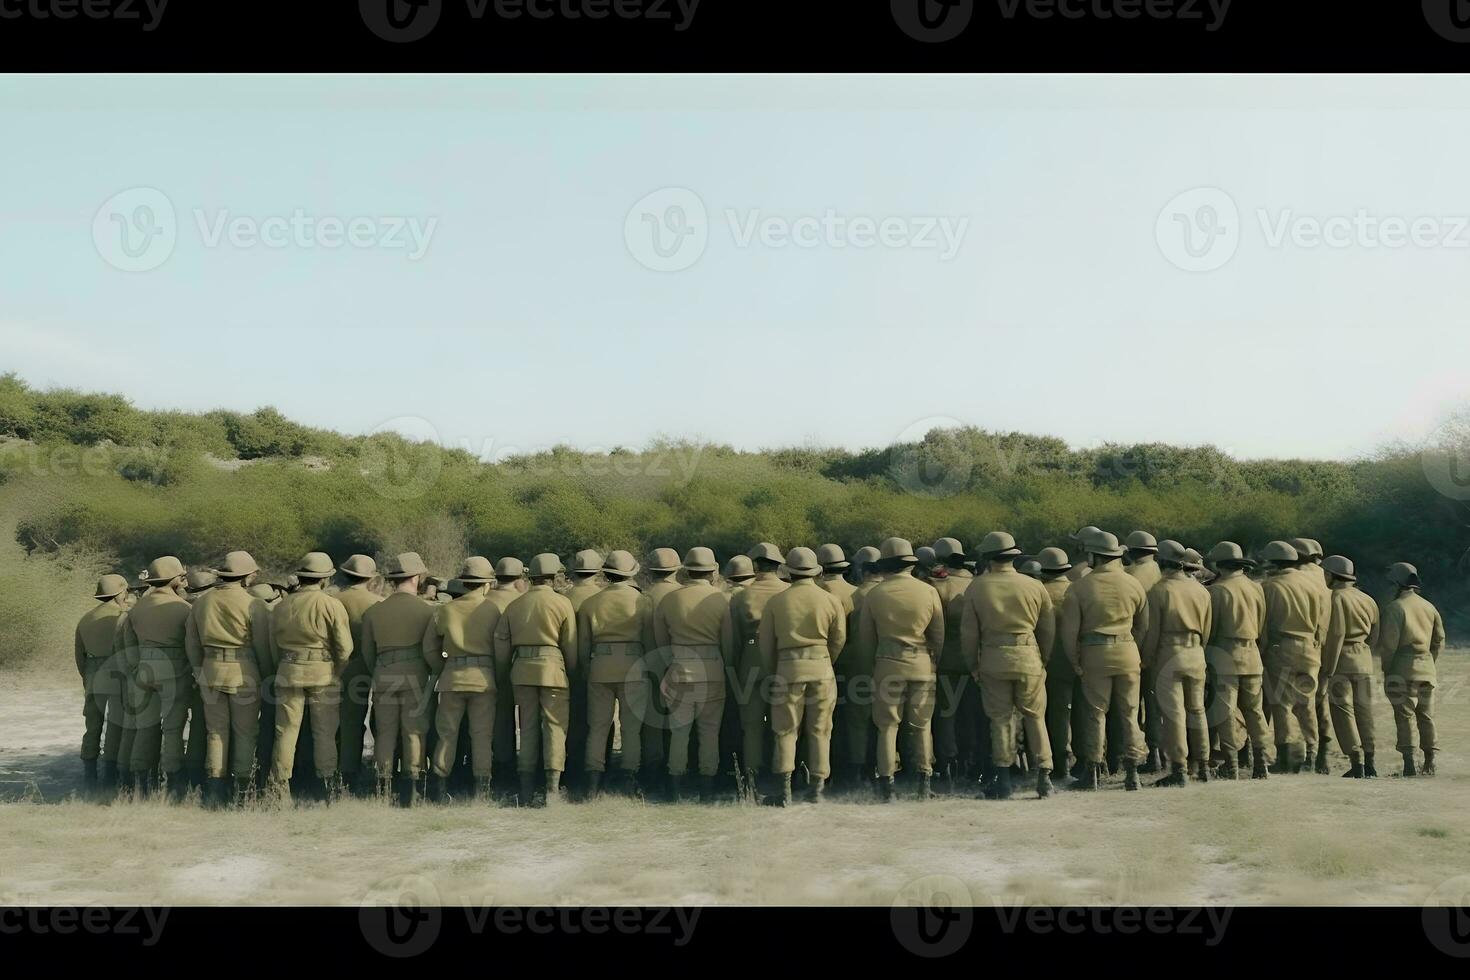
(1143,565)
(1310,553)
(102,683)
(265,592)
(663,565)
(927,559)
(746,677)
(536,637)
(855,679)
(1410,638)
(955,708)
(737,574)
(1347,664)
(1063,686)
(1295,625)
(1103,614)
(1173,652)
(586,566)
(586,569)
(614,629)
(459,650)
(1006,622)
(357,574)
(694,625)
(834,567)
(311,641)
(198,582)
(510,576)
(393,652)
(802,633)
(901,632)
(152,642)
(227,639)
(1233,653)
(1031,568)
(1081,568)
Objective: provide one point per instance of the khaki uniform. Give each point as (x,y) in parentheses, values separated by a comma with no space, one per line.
(580,592)
(311,642)
(503,744)
(747,677)
(692,623)
(803,630)
(1146,572)
(152,635)
(1079,570)
(1006,622)
(1410,637)
(1233,654)
(1347,665)
(614,630)
(1316,577)
(393,652)
(227,639)
(1294,632)
(836,585)
(1102,617)
(357,681)
(957,709)
(536,639)
(901,634)
(104,680)
(459,648)
(656,662)
(1173,653)
(1064,701)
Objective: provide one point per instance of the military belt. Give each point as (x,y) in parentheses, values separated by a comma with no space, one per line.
(315,655)
(628,648)
(1290,641)
(471,660)
(1104,639)
(696,653)
(536,653)
(803,653)
(1236,641)
(160,653)
(1008,640)
(1180,638)
(229,655)
(400,655)
(901,651)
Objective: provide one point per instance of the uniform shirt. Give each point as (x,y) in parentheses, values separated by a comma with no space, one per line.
(901,620)
(584,589)
(309,621)
(542,621)
(1056,589)
(1316,578)
(745,617)
(695,615)
(857,660)
(1109,602)
(393,625)
(461,629)
(1180,619)
(951,589)
(94,634)
(1352,633)
(357,600)
(841,588)
(1294,611)
(1078,571)
(802,617)
(999,608)
(229,618)
(1237,612)
(616,614)
(1146,572)
(662,587)
(158,620)
(503,595)
(1410,636)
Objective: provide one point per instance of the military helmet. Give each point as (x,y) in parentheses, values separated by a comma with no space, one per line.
(475,570)
(1171,550)
(1401,573)
(663,560)
(700,559)
(739,568)
(926,555)
(802,563)
(620,565)
(997,544)
(1229,551)
(1104,543)
(110,587)
(509,568)
(1031,567)
(897,548)
(316,564)
(1053,560)
(1193,560)
(237,564)
(1141,541)
(200,580)
(163,570)
(1339,567)
(454,588)
(1278,551)
(831,556)
(587,562)
(946,548)
(866,555)
(764,550)
(544,565)
(264,590)
(359,566)
(1304,547)
(406,565)
(1085,534)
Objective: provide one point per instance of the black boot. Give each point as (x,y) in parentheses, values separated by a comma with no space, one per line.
(1203,773)
(196,777)
(1409,769)
(176,785)
(885,789)
(1176,777)
(1079,769)
(108,782)
(1152,763)
(1087,778)
(145,784)
(594,785)
(1001,788)
(782,796)
(1370,771)
(814,791)
(1305,763)
(1428,767)
(1243,757)
(676,788)
(1130,776)
(1258,762)
(1282,765)
(1320,766)
(89,777)
(706,789)
(216,793)
(1355,770)
(1230,768)
(926,786)
(1043,783)
(437,793)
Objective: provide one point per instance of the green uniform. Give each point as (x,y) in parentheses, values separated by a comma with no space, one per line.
(803,630)
(228,643)
(692,624)
(901,633)
(459,648)
(1294,632)
(654,754)
(1410,638)
(1173,653)
(584,588)
(311,642)
(357,681)
(152,636)
(503,745)
(748,683)
(1102,616)
(956,695)
(614,629)
(855,682)
(536,640)
(1347,665)
(1006,623)
(1233,652)
(103,681)
(393,652)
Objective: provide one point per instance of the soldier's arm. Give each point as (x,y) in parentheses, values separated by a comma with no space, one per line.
(1388,637)
(1209,624)
(584,635)
(661,626)
(260,638)
(369,646)
(502,645)
(433,644)
(837,634)
(567,635)
(1324,613)
(1373,630)
(1436,641)
(969,635)
(645,623)
(125,641)
(1140,620)
(766,640)
(934,632)
(1046,625)
(193,649)
(79,651)
(867,633)
(341,636)
(1070,624)
(1154,607)
(1332,642)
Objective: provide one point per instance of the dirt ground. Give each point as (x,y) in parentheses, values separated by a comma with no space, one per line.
(1288,840)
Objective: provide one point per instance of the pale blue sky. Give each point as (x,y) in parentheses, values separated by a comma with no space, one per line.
(529,320)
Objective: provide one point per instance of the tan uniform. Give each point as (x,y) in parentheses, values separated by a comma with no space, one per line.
(655,664)
(1173,653)
(1347,666)
(747,677)
(103,680)
(459,648)
(1102,617)
(901,633)
(310,644)
(1294,633)
(692,623)
(1316,577)
(357,681)
(614,630)
(536,637)
(855,683)
(1064,701)
(803,630)
(1410,637)
(580,592)
(152,635)
(227,639)
(1233,653)
(503,745)
(1079,570)
(1146,572)
(956,695)
(393,651)
(1006,622)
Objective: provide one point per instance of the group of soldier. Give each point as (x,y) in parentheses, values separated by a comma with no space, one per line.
(1139,656)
